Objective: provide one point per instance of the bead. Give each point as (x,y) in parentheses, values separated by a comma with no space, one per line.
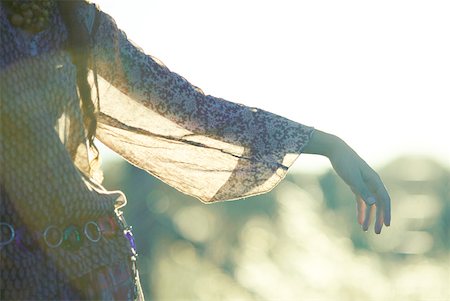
(71,238)
(108,226)
(130,238)
(7,234)
(31,15)
(53,236)
(92,231)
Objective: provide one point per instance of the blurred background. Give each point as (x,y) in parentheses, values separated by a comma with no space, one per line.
(374,73)
(301,241)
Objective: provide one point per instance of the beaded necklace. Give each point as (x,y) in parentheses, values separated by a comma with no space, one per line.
(29,15)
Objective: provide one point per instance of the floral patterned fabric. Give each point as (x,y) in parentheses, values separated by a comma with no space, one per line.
(204,146)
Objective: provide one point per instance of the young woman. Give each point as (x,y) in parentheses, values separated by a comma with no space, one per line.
(62,234)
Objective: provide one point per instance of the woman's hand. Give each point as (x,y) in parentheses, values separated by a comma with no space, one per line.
(371,195)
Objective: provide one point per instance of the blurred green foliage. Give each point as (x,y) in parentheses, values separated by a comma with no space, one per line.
(301,241)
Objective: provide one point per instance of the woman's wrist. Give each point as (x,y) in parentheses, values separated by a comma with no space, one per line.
(322,143)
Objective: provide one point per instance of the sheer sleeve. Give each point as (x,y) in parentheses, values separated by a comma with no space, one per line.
(204,146)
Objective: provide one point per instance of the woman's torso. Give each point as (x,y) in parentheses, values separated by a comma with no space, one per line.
(44,159)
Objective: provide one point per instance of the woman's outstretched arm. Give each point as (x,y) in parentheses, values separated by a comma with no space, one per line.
(205,146)
(370,192)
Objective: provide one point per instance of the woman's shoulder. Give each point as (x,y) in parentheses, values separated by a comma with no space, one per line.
(92,16)
(87,12)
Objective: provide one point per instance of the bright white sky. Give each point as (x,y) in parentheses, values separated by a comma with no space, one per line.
(375,73)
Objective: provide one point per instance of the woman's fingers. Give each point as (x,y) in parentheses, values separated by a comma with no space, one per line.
(360,209)
(386,201)
(367,217)
(379,217)
(365,202)
(366,214)
(372,199)
(382,206)
(387,213)
(383,200)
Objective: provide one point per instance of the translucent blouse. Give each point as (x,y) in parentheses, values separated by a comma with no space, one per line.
(204,146)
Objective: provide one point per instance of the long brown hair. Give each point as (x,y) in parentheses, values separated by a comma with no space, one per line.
(79,45)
